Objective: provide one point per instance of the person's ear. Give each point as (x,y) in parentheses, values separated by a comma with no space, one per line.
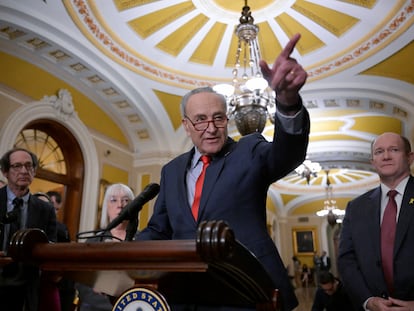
(411,158)
(186,126)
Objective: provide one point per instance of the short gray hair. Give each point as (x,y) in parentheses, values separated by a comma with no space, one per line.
(205,89)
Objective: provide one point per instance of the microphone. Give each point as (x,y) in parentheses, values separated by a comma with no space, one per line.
(132,208)
(10,217)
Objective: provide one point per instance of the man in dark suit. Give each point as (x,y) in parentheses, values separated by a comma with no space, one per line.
(325,262)
(239,174)
(19,284)
(372,283)
(330,294)
(62,230)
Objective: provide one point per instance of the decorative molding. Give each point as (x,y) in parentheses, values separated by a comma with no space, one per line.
(62,103)
(87,17)
(44,109)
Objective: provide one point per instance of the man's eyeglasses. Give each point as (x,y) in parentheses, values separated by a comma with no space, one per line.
(19,166)
(218,122)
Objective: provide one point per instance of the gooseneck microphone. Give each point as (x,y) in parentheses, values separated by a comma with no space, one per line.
(10,217)
(132,208)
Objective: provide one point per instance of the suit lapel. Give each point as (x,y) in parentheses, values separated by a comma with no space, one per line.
(182,182)
(406,214)
(213,172)
(373,212)
(3,211)
(32,214)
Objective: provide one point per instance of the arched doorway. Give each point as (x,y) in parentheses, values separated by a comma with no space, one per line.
(61,166)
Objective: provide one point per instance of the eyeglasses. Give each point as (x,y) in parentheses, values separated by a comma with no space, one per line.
(19,166)
(218,122)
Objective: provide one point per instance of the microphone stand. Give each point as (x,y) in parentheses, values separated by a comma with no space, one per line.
(132,226)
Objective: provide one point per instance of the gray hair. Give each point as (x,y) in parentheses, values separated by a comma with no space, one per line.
(110,191)
(205,89)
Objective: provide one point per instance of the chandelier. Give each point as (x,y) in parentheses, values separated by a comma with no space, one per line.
(330,209)
(308,169)
(250,100)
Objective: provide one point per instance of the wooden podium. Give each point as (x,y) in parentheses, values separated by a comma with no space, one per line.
(215,269)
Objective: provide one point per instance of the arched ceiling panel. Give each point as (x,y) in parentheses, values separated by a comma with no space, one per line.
(178,39)
(206,51)
(148,24)
(395,66)
(270,46)
(309,41)
(332,20)
(171,105)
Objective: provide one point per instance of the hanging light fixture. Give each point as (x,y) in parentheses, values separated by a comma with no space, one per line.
(308,169)
(250,100)
(330,209)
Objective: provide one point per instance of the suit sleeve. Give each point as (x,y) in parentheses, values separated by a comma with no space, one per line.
(348,265)
(42,215)
(51,229)
(158,227)
(287,148)
(318,301)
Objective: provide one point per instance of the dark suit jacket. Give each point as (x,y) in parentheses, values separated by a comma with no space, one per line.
(338,301)
(235,190)
(40,214)
(326,267)
(62,232)
(20,283)
(359,259)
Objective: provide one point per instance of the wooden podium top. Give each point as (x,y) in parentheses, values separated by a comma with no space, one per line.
(4,260)
(214,268)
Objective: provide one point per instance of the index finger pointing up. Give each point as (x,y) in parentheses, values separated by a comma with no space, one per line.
(290,46)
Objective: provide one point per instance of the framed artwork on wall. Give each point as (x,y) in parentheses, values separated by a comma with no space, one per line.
(304,240)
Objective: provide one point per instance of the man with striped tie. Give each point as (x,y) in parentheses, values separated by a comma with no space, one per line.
(19,289)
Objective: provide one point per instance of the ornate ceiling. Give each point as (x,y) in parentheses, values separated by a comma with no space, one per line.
(136,58)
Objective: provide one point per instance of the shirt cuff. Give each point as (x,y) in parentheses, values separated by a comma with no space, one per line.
(286,109)
(292,124)
(365,304)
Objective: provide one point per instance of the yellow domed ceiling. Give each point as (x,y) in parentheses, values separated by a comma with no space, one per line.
(193,42)
(138,57)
